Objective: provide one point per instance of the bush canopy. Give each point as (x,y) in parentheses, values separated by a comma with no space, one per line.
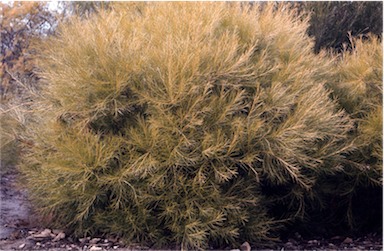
(182,123)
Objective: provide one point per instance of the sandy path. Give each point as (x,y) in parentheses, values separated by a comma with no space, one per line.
(14,206)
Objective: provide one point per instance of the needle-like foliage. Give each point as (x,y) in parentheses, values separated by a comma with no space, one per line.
(357,85)
(167,123)
(359,89)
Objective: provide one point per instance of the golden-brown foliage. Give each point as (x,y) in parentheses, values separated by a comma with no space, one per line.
(359,89)
(164,122)
(357,84)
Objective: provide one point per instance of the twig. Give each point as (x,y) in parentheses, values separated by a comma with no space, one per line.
(22,84)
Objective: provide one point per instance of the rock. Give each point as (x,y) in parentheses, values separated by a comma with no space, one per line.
(15,235)
(59,236)
(313,242)
(57,231)
(45,234)
(336,238)
(347,240)
(94,240)
(245,247)
(113,239)
(288,244)
(95,248)
(84,240)
(22,246)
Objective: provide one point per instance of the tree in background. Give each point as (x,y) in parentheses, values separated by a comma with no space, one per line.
(357,85)
(331,22)
(85,8)
(21,23)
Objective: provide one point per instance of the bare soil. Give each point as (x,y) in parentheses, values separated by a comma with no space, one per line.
(14,206)
(20,231)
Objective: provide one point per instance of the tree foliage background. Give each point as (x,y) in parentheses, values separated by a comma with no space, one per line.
(332,23)
(22,24)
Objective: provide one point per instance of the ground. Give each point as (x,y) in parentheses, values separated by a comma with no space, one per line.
(20,231)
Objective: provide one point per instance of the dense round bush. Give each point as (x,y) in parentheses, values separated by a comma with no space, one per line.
(349,201)
(181,123)
(357,86)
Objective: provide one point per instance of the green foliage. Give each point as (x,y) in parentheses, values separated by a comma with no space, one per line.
(331,22)
(178,123)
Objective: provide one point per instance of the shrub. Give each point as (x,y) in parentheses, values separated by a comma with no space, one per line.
(179,123)
(349,201)
(8,144)
(357,86)
(358,89)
